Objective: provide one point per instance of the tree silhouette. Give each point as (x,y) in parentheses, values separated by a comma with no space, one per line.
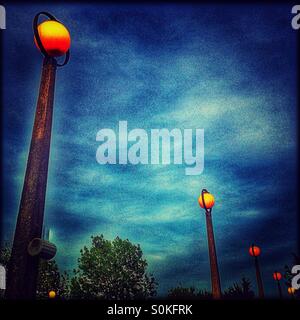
(188,293)
(239,291)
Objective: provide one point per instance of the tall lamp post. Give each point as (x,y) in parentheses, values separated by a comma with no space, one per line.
(254,251)
(53,40)
(277,276)
(206,201)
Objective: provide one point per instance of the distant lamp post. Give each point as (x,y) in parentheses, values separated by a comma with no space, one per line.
(254,251)
(53,40)
(206,201)
(277,276)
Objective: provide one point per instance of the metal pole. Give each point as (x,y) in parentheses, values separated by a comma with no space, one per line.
(215,277)
(23,269)
(261,293)
(279,289)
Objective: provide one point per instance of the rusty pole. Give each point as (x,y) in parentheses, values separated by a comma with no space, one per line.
(214,270)
(23,268)
(279,289)
(260,286)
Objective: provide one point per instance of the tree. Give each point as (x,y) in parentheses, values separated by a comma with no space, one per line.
(188,293)
(4,255)
(49,277)
(239,291)
(113,270)
(182,293)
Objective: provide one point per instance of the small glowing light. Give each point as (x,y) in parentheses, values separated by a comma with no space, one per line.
(209,200)
(254,251)
(277,276)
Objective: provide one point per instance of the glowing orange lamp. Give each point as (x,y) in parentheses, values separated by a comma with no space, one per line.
(277,276)
(208,202)
(254,251)
(291,290)
(52,294)
(54,37)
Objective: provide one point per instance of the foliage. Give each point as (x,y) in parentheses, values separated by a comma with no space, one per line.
(239,291)
(182,293)
(4,255)
(113,270)
(188,293)
(49,277)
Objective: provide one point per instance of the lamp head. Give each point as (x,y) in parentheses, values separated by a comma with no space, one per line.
(55,38)
(277,276)
(254,251)
(206,200)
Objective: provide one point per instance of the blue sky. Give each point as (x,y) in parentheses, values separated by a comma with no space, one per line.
(230,70)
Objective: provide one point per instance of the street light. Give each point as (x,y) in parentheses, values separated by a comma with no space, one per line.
(206,201)
(254,251)
(277,276)
(291,291)
(53,40)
